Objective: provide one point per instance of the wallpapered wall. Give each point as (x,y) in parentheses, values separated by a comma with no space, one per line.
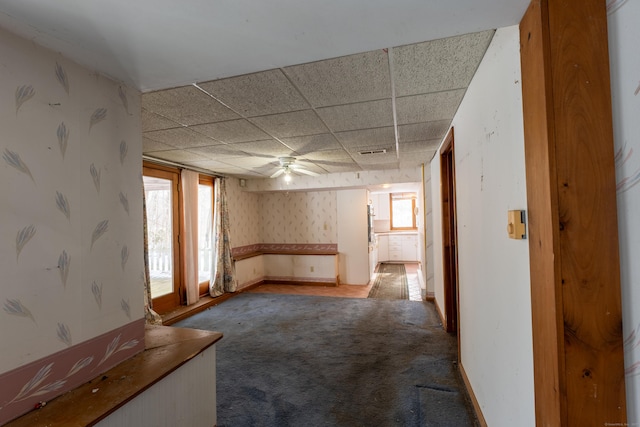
(299,217)
(281,217)
(624,34)
(71,251)
(244,214)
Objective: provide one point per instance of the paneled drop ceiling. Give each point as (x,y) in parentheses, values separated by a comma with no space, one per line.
(215,106)
(327,114)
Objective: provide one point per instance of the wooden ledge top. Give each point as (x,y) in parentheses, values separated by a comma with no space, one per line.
(278,252)
(166,349)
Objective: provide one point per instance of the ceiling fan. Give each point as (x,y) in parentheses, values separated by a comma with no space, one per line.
(287,166)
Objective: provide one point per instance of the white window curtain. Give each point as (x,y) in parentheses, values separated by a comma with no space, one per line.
(150,315)
(223,272)
(189,240)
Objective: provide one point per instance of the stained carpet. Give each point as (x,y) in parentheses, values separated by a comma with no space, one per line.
(390,282)
(298,360)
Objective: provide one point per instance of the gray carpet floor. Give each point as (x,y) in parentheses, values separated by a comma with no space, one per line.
(295,360)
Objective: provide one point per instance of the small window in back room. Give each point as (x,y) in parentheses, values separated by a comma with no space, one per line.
(403,207)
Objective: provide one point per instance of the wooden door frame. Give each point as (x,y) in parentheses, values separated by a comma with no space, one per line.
(578,352)
(166,303)
(449,236)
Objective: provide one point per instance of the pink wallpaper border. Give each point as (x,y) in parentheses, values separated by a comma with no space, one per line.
(301,279)
(293,248)
(23,388)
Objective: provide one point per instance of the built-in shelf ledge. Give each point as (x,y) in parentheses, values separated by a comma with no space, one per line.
(166,349)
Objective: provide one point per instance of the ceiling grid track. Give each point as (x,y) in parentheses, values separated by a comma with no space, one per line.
(319,117)
(393,101)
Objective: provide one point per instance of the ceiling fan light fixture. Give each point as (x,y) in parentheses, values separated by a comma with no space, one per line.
(287,166)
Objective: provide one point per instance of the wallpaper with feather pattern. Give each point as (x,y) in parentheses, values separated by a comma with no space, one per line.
(299,217)
(624,34)
(71,229)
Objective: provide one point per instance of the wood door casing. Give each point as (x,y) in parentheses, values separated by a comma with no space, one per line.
(449,234)
(573,234)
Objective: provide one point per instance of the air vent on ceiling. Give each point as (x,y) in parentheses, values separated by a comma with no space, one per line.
(376,151)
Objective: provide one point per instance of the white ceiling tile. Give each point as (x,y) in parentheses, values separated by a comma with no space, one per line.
(153,121)
(267,92)
(380,166)
(178,156)
(428,107)
(423,131)
(310,166)
(149,145)
(180,138)
(186,105)
(353,78)
(298,123)
(416,147)
(221,151)
(329,155)
(367,159)
(414,159)
(380,137)
(269,148)
(347,167)
(232,131)
(307,144)
(438,65)
(361,115)
(248,162)
(218,167)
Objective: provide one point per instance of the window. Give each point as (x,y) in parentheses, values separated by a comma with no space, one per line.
(205,230)
(403,207)
(164,222)
(161,194)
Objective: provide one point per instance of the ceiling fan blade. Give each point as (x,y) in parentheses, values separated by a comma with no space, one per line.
(278,173)
(306,172)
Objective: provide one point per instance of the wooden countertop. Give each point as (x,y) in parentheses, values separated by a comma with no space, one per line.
(394,233)
(166,349)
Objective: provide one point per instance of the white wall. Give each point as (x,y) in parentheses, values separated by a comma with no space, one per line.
(353,242)
(624,34)
(436,218)
(494,286)
(185,397)
(426,239)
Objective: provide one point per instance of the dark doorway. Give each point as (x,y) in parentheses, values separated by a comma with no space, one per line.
(449,234)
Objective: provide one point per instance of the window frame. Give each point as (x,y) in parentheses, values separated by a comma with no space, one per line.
(403,196)
(177,298)
(168,302)
(203,287)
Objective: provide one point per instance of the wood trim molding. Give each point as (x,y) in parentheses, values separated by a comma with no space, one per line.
(442,319)
(571,196)
(472,396)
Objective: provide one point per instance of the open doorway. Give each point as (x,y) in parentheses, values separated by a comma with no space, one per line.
(449,234)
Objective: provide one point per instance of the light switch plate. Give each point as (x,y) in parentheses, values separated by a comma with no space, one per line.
(516,228)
